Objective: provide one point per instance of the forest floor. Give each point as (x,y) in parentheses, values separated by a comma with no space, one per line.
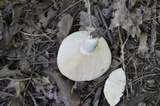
(32,31)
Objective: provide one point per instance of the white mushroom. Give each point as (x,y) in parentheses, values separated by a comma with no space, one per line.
(114,86)
(83,58)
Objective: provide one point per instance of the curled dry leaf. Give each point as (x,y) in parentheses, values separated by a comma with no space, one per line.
(122,17)
(114,86)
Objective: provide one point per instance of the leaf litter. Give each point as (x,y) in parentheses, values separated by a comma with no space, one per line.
(31,33)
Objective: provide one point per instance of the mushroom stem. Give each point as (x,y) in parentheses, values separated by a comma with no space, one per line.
(89,45)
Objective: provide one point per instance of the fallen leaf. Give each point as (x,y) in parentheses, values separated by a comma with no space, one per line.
(4,3)
(97,96)
(24,64)
(65,86)
(147,13)
(43,85)
(47,17)
(5,72)
(142,48)
(87,102)
(15,102)
(64,26)
(18,86)
(45,60)
(84,20)
(114,86)
(11,24)
(106,2)
(128,21)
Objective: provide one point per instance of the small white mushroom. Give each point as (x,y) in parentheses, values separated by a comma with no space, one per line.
(114,86)
(83,58)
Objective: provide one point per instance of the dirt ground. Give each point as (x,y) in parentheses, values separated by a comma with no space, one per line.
(31,32)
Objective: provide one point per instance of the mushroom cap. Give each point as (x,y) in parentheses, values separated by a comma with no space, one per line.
(114,86)
(77,66)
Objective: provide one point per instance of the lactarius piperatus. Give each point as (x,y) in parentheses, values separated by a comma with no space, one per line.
(114,86)
(83,58)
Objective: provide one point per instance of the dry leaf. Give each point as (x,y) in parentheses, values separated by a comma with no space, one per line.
(64,26)
(45,60)
(45,19)
(142,48)
(15,102)
(114,86)
(122,17)
(97,96)
(147,15)
(65,86)
(5,72)
(106,2)
(24,65)
(87,4)
(18,86)
(84,20)
(43,85)
(11,24)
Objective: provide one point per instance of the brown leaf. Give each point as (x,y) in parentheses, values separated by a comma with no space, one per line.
(65,86)
(122,17)
(64,26)
(142,48)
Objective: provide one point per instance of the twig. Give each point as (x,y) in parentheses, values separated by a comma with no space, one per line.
(34,101)
(42,32)
(105,25)
(122,56)
(122,48)
(47,10)
(10,58)
(145,76)
(28,34)
(68,8)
